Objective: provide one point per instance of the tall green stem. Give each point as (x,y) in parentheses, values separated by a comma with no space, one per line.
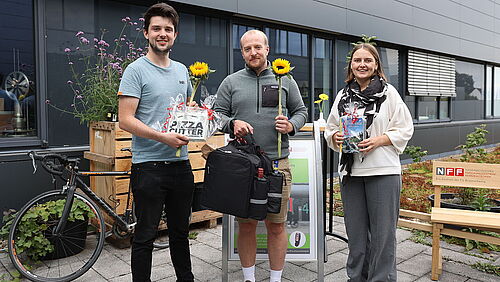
(280,112)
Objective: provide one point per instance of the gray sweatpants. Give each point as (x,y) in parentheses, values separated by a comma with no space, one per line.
(371,208)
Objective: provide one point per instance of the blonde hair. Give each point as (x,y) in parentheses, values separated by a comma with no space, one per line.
(255,31)
(370,48)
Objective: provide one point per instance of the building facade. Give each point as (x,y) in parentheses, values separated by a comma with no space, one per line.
(442,56)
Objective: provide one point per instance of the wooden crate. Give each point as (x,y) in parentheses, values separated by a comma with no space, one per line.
(106,142)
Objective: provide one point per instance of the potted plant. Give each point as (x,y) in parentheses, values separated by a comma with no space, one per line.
(37,225)
(96,67)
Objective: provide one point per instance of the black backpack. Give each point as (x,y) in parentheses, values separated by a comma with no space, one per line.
(238,180)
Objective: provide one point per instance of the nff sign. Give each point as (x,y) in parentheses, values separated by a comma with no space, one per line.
(450,171)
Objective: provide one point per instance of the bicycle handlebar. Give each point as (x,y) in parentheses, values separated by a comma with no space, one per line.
(53,163)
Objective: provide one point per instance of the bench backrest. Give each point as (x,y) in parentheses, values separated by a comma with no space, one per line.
(462,174)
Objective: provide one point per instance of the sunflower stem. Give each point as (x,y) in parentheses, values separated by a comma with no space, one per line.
(195,87)
(280,112)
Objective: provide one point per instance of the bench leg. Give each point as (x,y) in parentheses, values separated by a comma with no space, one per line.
(437,263)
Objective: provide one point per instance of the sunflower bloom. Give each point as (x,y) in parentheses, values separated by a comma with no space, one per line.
(199,69)
(323,97)
(281,67)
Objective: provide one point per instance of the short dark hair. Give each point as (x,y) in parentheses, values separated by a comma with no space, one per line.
(163,10)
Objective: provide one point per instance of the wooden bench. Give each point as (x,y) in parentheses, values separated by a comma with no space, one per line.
(460,174)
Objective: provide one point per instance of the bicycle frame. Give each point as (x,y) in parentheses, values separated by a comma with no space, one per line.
(70,189)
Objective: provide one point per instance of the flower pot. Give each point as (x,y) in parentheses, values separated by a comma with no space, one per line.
(459,206)
(66,247)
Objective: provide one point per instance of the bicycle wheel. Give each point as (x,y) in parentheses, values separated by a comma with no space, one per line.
(42,256)
(161,241)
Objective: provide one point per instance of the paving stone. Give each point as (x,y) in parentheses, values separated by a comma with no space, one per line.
(205,272)
(335,245)
(163,271)
(123,278)
(335,262)
(339,275)
(292,271)
(210,239)
(408,249)
(91,275)
(464,270)
(402,235)
(417,265)
(161,256)
(109,266)
(405,277)
(458,256)
(206,253)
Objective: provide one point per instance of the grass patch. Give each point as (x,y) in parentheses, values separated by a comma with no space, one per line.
(487,267)
(419,236)
(193,235)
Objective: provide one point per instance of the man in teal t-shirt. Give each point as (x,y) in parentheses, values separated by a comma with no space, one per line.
(159,179)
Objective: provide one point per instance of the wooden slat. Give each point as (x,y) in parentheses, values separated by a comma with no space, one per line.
(471,236)
(121,185)
(122,134)
(105,159)
(196,160)
(415,214)
(199,175)
(415,225)
(204,215)
(215,141)
(122,144)
(465,217)
(122,164)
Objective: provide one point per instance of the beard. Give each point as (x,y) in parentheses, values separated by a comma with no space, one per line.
(159,51)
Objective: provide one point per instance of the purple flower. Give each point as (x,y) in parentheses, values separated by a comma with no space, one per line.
(77,48)
(79,97)
(69,82)
(141,19)
(135,23)
(127,18)
(130,23)
(137,29)
(47,101)
(70,63)
(96,40)
(139,49)
(67,50)
(77,91)
(84,40)
(124,20)
(72,105)
(79,33)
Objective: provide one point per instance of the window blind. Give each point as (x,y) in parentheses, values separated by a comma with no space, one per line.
(430,75)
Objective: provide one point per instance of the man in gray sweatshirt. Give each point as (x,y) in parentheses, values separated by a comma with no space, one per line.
(248,102)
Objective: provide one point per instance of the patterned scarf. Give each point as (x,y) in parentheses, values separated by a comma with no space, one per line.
(369,102)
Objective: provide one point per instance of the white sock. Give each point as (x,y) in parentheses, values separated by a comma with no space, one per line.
(275,275)
(249,273)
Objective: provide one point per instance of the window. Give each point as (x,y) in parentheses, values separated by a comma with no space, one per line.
(430,74)
(18,94)
(496,93)
(205,41)
(238,31)
(390,62)
(296,53)
(469,104)
(489,91)
(323,82)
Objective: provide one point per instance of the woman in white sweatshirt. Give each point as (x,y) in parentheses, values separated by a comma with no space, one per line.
(370,177)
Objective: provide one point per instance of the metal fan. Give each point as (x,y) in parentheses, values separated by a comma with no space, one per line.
(17,82)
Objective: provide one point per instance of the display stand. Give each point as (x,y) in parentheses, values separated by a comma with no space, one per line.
(306,216)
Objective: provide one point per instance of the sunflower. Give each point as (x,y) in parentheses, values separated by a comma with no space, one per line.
(323,97)
(281,67)
(199,69)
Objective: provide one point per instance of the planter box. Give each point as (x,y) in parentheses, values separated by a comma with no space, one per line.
(106,142)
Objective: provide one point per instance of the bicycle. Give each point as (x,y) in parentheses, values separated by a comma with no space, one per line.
(76,240)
